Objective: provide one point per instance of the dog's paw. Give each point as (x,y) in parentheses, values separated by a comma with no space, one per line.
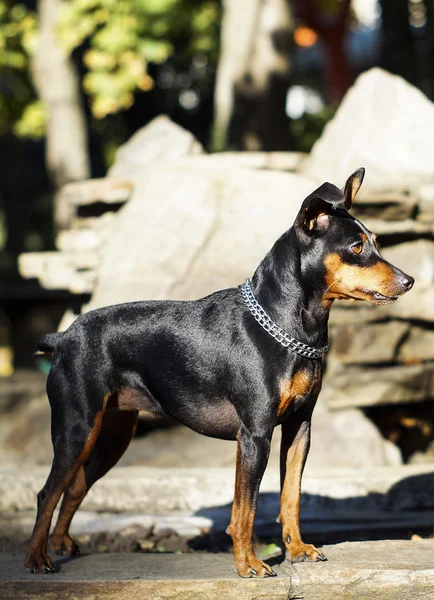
(65,546)
(303,553)
(253,567)
(39,563)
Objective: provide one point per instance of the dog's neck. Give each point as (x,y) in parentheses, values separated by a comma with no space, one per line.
(286,289)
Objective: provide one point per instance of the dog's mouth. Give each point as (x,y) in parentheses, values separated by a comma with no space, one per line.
(381,299)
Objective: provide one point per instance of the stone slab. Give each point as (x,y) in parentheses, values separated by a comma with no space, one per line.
(204,213)
(374,128)
(108,191)
(167,491)
(391,205)
(353,387)
(386,570)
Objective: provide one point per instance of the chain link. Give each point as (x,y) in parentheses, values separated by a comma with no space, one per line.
(274,330)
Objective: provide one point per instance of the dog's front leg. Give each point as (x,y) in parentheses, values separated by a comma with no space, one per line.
(293,453)
(252,457)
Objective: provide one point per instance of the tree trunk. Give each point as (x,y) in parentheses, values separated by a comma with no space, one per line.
(253,75)
(330,21)
(398,48)
(57,84)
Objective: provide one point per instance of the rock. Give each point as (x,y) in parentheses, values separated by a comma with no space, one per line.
(167,492)
(177,236)
(367,343)
(393,228)
(374,128)
(346,437)
(273,161)
(418,304)
(389,205)
(353,387)
(74,271)
(415,258)
(107,191)
(418,346)
(161,139)
(370,570)
(425,197)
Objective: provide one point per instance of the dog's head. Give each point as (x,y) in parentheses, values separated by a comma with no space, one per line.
(341,251)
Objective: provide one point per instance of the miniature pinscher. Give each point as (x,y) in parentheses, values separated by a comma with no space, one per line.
(232,365)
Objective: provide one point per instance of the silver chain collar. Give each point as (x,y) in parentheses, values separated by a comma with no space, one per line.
(274,330)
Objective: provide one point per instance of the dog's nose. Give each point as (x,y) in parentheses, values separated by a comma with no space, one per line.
(407,281)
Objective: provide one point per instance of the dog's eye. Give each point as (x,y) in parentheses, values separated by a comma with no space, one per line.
(357,248)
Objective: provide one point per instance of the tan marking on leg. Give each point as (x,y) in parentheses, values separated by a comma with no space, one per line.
(297,550)
(37,554)
(116,433)
(241,528)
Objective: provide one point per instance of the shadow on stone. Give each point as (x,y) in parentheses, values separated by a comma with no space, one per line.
(407,508)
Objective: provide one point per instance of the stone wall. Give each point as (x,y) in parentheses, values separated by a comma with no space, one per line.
(181,224)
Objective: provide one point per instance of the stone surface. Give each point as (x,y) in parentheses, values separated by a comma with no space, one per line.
(390,570)
(108,191)
(405,227)
(425,197)
(154,491)
(374,128)
(346,437)
(161,139)
(367,343)
(273,161)
(74,271)
(389,205)
(418,304)
(355,387)
(418,346)
(177,236)
(415,258)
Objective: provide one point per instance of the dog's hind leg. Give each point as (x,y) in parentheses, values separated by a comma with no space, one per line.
(252,457)
(117,429)
(74,433)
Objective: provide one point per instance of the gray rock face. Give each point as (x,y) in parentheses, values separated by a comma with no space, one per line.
(384,385)
(425,197)
(392,205)
(367,343)
(187,232)
(415,257)
(375,128)
(161,139)
(380,570)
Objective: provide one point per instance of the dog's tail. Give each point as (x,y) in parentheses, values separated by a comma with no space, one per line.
(49,342)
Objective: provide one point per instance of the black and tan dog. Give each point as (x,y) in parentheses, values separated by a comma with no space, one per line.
(232,365)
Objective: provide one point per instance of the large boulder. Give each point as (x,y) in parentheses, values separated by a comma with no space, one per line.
(161,139)
(188,231)
(384,124)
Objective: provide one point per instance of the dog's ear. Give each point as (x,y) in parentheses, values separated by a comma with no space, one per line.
(352,186)
(315,214)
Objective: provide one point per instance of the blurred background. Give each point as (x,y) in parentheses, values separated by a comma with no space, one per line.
(157,148)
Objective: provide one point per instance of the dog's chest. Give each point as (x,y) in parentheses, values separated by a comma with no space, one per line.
(303,382)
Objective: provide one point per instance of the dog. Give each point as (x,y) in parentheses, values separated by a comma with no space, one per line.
(233,365)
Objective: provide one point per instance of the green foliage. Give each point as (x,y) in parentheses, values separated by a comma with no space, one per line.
(32,122)
(124,36)
(17,39)
(117,40)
